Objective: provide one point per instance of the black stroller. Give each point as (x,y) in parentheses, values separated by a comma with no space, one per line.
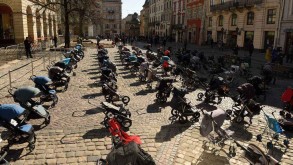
(12,117)
(181,109)
(244,104)
(111,95)
(164,88)
(216,89)
(268,75)
(121,114)
(59,77)
(108,77)
(24,96)
(43,83)
(259,86)
(210,127)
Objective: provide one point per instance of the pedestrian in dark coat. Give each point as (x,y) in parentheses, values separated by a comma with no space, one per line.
(250,48)
(28,46)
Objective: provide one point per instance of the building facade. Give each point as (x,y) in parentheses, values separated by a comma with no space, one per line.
(243,21)
(145,18)
(286,25)
(111,17)
(20,19)
(179,20)
(167,18)
(195,16)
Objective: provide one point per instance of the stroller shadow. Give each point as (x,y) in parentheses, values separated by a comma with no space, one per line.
(168,132)
(94,72)
(276,153)
(130,76)
(87,70)
(156,107)
(94,85)
(15,154)
(145,92)
(240,133)
(83,113)
(210,158)
(137,83)
(89,96)
(96,133)
(206,106)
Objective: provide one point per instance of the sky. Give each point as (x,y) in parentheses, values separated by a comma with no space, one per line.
(131,6)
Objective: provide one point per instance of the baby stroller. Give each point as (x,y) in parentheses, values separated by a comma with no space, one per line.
(268,75)
(180,108)
(216,89)
(143,71)
(43,83)
(121,115)
(111,95)
(164,88)
(24,96)
(259,86)
(68,64)
(59,77)
(210,127)
(12,117)
(136,64)
(126,148)
(276,127)
(287,99)
(244,104)
(108,77)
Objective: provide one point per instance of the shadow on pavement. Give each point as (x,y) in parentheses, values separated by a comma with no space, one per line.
(206,106)
(240,133)
(15,154)
(156,107)
(277,153)
(168,132)
(145,92)
(86,70)
(94,72)
(130,76)
(94,85)
(96,133)
(83,113)
(210,158)
(137,83)
(91,96)
(95,77)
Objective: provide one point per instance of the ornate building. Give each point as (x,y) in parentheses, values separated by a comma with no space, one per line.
(20,19)
(111,17)
(179,21)
(243,21)
(286,25)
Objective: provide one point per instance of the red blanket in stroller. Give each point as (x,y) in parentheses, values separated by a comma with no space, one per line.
(115,130)
(287,96)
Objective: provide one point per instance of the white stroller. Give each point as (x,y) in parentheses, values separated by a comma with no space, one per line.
(211,128)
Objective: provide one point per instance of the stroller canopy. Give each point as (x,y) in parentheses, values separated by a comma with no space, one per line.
(26,93)
(179,92)
(111,106)
(42,80)
(10,111)
(106,71)
(66,61)
(217,119)
(246,91)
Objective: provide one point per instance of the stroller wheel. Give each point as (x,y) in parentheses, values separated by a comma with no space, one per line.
(163,99)
(65,87)
(282,113)
(288,116)
(108,98)
(232,151)
(109,115)
(259,138)
(48,120)
(175,112)
(55,100)
(126,123)
(158,96)
(286,143)
(105,122)
(182,119)
(196,115)
(125,99)
(200,96)
(239,119)
(219,100)
(270,145)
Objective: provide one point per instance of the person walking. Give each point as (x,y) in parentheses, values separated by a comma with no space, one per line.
(28,46)
(250,48)
(290,54)
(55,41)
(212,42)
(268,55)
(235,50)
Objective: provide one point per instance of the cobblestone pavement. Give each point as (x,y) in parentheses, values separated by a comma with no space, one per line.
(75,136)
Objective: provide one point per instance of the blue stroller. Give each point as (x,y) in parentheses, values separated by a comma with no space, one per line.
(43,83)
(68,64)
(274,130)
(12,117)
(24,96)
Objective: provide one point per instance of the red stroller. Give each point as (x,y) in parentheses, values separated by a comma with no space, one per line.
(287,99)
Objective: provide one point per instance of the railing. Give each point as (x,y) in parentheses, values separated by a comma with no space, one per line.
(234,4)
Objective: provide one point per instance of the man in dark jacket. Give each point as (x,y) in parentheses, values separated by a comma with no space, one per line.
(27,46)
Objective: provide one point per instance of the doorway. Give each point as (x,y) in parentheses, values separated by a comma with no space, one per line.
(269,39)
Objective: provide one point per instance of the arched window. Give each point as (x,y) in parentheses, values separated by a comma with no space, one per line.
(234,20)
(250,18)
(6,23)
(221,20)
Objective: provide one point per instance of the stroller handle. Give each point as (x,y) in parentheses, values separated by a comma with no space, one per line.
(3,156)
(33,76)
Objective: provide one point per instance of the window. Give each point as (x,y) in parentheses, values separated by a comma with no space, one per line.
(271,18)
(179,21)
(250,18)
(222,1)
(233,20)
(107,26)
(210,21)
(114,26)
(221,20)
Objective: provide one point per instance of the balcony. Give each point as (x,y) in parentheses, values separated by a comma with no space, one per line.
(232,5)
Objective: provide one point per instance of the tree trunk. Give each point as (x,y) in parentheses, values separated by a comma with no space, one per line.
(66,24)
(81,17)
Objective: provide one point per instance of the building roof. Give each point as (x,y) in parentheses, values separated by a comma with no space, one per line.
(146,3)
